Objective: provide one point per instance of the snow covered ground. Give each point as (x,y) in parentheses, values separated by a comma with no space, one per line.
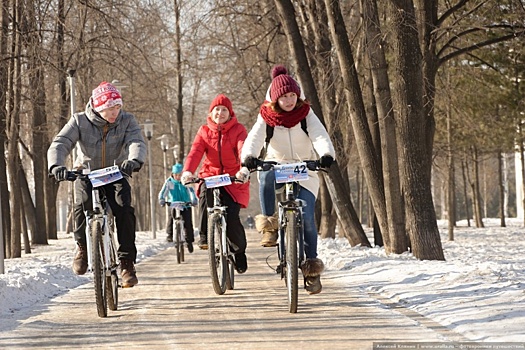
(479,291)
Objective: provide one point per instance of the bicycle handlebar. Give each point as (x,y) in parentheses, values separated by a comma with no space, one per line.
(202,179)
(72,175)
(265,165)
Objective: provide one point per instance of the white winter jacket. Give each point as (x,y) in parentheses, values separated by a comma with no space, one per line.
(290,145)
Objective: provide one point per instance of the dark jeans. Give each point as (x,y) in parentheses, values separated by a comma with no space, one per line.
(235,230)
(267,187)
(186,219)
(118,195)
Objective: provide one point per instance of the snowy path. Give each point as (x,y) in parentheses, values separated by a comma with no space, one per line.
(174,307)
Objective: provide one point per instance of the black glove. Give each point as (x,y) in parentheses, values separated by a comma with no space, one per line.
(128,166)
(60,173)
(250,162)
(326,161)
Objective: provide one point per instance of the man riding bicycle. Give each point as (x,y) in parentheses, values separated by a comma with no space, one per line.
(105,135)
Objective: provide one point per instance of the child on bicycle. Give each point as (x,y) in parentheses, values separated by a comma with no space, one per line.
(174,191)
(284,110)
(105,135)
(220,141)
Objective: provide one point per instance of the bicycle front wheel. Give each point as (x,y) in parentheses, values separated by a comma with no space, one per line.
(112,279)
(98,268)
(179,245)
(291,260)
(217,260)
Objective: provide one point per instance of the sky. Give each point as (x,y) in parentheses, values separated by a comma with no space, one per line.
(479,291)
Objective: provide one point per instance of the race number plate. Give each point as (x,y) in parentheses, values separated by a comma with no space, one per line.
(217,181)
(104,176)
(291,172)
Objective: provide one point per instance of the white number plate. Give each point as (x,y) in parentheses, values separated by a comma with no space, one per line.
(291,172)
(218,181)
(104,176)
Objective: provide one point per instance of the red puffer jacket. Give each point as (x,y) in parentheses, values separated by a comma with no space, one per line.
(221,144)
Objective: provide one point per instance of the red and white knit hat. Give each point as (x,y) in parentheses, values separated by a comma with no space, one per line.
(282,83)
(105,96)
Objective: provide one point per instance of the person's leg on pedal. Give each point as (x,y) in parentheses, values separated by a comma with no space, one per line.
(118,195)
(267,222)
(188,228)
(169,225)
(235,231)
(203,217)
(312,266)
(82,200)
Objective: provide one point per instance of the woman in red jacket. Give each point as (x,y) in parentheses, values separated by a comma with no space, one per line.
(220,142)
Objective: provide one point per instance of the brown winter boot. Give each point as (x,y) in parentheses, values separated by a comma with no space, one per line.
(268,226)
(312,269)
(128,274)
(80,263)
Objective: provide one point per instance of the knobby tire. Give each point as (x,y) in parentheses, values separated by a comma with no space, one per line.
(291,260)
(179,245)
(98,268)
(217,260)
(112,279)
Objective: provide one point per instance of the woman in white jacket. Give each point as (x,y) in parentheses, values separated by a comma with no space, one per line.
(285,111)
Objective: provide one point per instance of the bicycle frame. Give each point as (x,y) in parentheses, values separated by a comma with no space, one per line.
(100,213)
(289,202)
(221,210)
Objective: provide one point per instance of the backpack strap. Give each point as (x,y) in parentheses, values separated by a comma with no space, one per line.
(303,126)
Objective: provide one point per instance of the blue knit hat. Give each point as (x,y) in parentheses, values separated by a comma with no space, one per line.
(177,168)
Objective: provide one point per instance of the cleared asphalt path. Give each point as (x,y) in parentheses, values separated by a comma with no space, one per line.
(174,307)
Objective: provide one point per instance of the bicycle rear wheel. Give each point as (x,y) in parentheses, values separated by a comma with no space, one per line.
(217,260)
(112,279)
(179,245)
(291,260)
(98,268)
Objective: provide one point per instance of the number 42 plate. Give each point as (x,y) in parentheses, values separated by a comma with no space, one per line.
(291,172)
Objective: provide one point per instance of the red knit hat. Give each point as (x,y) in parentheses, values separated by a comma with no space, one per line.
(222,100)
(282,83)
(105,96)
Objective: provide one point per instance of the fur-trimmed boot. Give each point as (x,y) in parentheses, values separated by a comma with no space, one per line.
(312,269)
(268,226)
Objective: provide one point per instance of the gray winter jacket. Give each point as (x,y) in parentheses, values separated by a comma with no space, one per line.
(99,143)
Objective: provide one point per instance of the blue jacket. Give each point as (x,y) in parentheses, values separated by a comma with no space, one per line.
(174,191)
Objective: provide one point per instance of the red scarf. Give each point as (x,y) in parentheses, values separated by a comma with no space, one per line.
(286,119)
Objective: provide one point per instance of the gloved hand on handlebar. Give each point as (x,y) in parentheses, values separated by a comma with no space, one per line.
(250,163)
(128,166)
(187,177)
(243,174)
(162,202)
(59,172)
(326,161)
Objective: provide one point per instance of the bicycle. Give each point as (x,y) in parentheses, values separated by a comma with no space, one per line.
(178,227)
(290,248)
(221,262)
(100,238)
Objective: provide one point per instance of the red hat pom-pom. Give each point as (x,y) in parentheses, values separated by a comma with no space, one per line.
(278,70)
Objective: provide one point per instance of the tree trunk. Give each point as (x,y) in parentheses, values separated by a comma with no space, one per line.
(346,213)
(411,133)
(465,171)
(476,195)
(38,99)
(396,241)
(4,86)
(501,190)
(370,160)
(451,183)
(29,216)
